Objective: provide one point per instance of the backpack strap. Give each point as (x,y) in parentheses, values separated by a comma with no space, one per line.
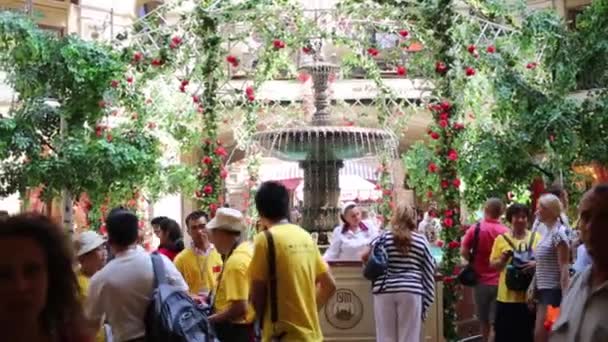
(159,269)
(504,236)
(475,243)
(532,237)
(272,277)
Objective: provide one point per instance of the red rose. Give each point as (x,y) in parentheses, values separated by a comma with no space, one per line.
(531,65)
(458,126)
(453,244)
(448,279)
(491,49)
(213,208)
(443,123)
(453,155)
(109,137)
(378,186)
(404,33)
(434,135)
(151,125)
(429,194)
(444,116)
(448,222)
(386,192)
(138,56)
(157,62)
(471,49)
(456,183)
(445,184)
(221,152)
(432,167)
(232,60)
(114,84)
(182,88)
(175,42)
(373,52)
(223,173)
(445,105)
(306,50)
(207,160)
(439,243)
(401,70)
(469,71)
(278,44)
(129,79)
(208,189)
(250,93)
(195,99)
(441,68)
(448,213)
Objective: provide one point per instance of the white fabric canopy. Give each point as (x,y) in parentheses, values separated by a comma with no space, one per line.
(351,188)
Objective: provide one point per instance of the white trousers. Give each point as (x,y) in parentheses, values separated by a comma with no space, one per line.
(398,317)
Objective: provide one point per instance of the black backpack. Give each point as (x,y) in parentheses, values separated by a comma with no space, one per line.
(516,278)
(172,315)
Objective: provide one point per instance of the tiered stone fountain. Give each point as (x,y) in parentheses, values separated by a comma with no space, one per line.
(320,149)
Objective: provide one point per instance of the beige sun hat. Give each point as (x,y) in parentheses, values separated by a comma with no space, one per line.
(87,242)
(227,219)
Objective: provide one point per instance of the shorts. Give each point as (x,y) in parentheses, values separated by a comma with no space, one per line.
(549,297)
(485,302)
(514,323)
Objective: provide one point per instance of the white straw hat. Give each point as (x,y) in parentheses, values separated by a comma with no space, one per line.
(227,219)
(87,242)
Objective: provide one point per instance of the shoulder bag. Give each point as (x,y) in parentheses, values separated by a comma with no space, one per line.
(377,263)
(272,279)
(468,276)
(516,278)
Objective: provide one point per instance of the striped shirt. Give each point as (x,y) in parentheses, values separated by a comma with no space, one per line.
(548,272)
(413,272)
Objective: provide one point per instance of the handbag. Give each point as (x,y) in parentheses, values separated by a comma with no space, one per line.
(516,278)
(468,276)
(377,263)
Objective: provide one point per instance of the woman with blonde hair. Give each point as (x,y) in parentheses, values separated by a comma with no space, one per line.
(403,294)
(552,262)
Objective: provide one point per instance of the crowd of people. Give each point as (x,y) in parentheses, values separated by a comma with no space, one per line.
(271,288)
(525,271)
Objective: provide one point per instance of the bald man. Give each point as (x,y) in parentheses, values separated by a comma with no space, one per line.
(486,290)
(584,315)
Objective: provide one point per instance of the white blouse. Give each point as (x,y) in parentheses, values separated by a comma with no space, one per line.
(350,245)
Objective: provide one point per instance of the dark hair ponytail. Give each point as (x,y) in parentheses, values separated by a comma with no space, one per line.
(174,234)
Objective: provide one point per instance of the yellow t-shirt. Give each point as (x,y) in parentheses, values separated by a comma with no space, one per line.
(234,283)
(298,264)
(199,271)
(500,246)
(83,283)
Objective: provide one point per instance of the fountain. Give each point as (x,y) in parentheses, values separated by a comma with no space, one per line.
(320,148)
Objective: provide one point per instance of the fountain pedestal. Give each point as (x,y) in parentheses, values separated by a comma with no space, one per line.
(321,196)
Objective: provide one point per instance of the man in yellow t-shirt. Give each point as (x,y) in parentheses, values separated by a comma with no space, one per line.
(514,321)
(303,281)
(201,263)
(91,254)
(232,315)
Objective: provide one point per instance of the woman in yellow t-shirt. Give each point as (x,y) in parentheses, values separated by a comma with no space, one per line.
(91,256)
(514,321)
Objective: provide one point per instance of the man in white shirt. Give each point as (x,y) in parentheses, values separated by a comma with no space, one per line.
(123,288)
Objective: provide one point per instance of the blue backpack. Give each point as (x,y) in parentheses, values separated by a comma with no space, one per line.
(172,315)
(377,263)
